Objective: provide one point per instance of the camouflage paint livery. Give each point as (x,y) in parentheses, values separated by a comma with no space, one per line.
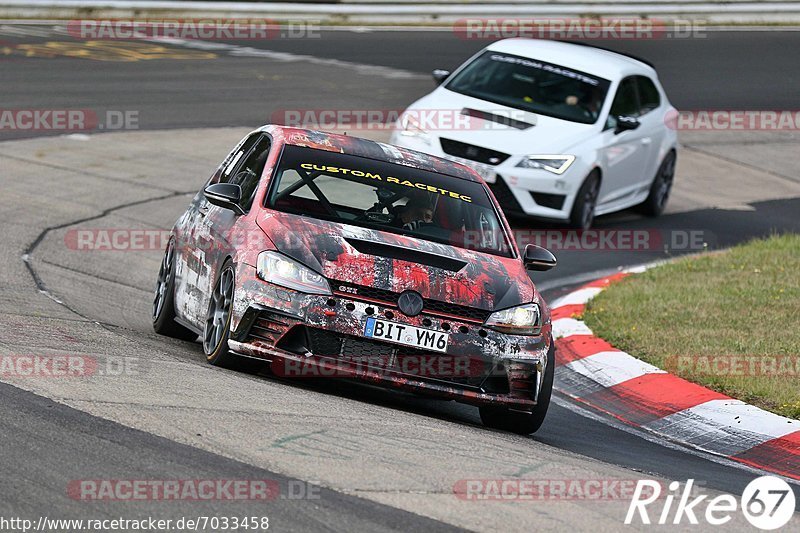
(325,333)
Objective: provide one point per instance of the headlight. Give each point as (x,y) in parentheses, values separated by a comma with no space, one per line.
(410,127)
(521,320)
(280,270)
(556,164)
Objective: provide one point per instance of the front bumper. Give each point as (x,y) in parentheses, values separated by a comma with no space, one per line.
(305,335)
(533,192)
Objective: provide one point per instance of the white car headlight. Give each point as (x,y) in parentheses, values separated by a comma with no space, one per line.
(410,127)
(280,270)
(556,164)
(522,320)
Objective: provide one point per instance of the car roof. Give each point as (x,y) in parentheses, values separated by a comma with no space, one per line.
(590,59)
(357,146)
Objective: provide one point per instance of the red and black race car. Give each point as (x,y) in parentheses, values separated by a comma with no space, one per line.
(328,255)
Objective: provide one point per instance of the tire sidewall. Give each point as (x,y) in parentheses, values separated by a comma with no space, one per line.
(651,207)
(167,313)
(576,214)
(220,353)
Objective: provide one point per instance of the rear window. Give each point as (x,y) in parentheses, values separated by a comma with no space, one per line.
(387,197)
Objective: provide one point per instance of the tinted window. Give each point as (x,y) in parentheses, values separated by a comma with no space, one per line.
(235,159)
(625,102)
(649,98)
(247,169)
(534,86)
(387,197)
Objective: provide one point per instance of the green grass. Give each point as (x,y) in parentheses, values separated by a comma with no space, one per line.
(741,302)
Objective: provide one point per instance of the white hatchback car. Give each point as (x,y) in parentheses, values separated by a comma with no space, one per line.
(560,131)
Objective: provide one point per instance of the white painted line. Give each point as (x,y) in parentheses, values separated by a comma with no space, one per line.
(581,296)
(650,436)
(612,368)
(718,415)
(248,51)
(564,327)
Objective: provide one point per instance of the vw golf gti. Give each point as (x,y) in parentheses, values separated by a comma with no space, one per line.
(333,256)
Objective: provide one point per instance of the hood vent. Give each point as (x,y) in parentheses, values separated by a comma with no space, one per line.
(499,119)
(472,152)
(406,254)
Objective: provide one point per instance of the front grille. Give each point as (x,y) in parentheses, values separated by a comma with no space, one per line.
(504,196)
(431,307)
(382,356)
(472,152)
(326,343)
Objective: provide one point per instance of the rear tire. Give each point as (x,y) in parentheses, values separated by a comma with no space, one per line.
(582,214)
(659,190)
(164,300)
(524,423)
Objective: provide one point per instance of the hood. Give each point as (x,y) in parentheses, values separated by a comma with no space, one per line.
(546,135)
(366,257)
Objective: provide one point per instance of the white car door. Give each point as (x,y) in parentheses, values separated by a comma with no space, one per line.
(625,152)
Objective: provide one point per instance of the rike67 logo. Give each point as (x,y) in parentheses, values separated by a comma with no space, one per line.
(767,502)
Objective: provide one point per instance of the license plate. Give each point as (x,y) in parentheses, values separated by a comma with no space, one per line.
(427,339)
(485,171)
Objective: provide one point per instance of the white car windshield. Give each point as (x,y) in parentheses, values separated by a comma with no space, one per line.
(534,86)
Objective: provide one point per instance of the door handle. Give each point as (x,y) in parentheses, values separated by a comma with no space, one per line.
(647,140)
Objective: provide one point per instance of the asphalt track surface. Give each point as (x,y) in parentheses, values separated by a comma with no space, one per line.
(742,70)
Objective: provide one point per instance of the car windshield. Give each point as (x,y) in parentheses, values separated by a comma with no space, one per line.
(534,86)
(387,197)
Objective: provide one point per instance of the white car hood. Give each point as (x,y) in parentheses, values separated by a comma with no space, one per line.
(548,135)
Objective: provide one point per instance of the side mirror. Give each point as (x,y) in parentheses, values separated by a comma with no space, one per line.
(440,75)
(625,123)
(538,258)
(225,195)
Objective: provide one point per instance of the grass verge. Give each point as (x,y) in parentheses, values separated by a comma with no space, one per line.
(729,321)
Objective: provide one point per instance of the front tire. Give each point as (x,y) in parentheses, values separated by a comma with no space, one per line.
(218,320)
(164,300)
(582,214)
(218,326)
(659,190)
(524,423)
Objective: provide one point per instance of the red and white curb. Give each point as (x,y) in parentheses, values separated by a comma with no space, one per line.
(596,374)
